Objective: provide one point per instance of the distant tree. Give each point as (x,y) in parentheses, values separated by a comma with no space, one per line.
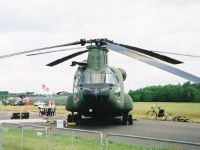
(168,93)
(3,94)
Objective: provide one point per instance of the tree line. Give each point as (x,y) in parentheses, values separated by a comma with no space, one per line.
(3,94)
(186,92)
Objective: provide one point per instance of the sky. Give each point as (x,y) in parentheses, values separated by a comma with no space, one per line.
(171,26)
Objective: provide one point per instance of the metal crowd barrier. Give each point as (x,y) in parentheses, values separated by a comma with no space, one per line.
(85,138)
(34,137)
(130,142)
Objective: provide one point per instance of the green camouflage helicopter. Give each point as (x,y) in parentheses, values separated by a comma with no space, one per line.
(98,89)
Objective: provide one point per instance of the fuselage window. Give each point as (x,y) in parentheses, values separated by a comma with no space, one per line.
(87,78)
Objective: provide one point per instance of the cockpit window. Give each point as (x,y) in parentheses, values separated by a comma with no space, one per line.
(91,78)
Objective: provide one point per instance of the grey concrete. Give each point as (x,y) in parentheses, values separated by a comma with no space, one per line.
(181,131)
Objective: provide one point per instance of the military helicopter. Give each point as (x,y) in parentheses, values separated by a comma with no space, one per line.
(98,89)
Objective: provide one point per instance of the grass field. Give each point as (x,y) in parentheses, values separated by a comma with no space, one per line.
(189,110)
(56,141)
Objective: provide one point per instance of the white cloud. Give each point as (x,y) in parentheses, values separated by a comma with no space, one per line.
(161,25)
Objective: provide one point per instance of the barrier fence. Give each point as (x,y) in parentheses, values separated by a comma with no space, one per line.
(33,137)
(130,142)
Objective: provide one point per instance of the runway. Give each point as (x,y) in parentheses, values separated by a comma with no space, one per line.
(181,131)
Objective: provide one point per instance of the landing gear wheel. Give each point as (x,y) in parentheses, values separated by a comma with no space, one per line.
(125,119)
(69,118)
(130,119)
(77,117)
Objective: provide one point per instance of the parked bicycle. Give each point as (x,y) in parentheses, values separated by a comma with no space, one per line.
(156,112)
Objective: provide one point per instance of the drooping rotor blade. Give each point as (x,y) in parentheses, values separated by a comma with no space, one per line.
(61,92)
(74,63)
(82,42)
(151,53)
(152,62)
(58,61)
(61,50)
(187,55)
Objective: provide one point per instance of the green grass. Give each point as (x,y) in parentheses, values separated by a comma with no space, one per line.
(57,141)
(116,145)
(189,110)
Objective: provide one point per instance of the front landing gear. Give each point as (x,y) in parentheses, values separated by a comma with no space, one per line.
(130,119)
(69,118)
(74,117)
(77,117)
(127,119)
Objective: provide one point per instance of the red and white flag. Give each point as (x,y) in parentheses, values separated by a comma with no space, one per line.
(44,87)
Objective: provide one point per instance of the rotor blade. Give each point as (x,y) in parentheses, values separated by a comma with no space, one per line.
(187,55)
(82,42)
(61,50)
(58,61)
(151,53)
(153,62)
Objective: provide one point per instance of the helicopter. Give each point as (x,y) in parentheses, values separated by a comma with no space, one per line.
(98,89)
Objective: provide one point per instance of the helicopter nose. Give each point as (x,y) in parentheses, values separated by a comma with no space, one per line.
(96,94)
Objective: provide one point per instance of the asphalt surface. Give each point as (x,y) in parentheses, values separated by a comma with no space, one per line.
(149,128)
(181,131)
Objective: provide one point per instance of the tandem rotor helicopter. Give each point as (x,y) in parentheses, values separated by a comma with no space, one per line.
(98,89)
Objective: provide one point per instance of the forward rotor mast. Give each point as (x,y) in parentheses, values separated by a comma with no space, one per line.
(97,57)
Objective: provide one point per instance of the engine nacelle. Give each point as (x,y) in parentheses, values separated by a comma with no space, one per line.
(123,73)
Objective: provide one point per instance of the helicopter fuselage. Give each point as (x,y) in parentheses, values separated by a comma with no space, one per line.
(98,89)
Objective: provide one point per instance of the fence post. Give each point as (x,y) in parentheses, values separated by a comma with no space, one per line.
(72,139)
(150,142)
(101,141)
(1,138)
(48,132)
(22,132)
(107,141)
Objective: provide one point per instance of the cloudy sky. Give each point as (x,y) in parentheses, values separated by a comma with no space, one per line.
(171,25)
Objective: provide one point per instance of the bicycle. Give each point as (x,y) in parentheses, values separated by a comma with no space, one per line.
(154,114)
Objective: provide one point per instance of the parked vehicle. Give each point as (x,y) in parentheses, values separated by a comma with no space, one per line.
(37,103)
(20,103)
(5,102)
